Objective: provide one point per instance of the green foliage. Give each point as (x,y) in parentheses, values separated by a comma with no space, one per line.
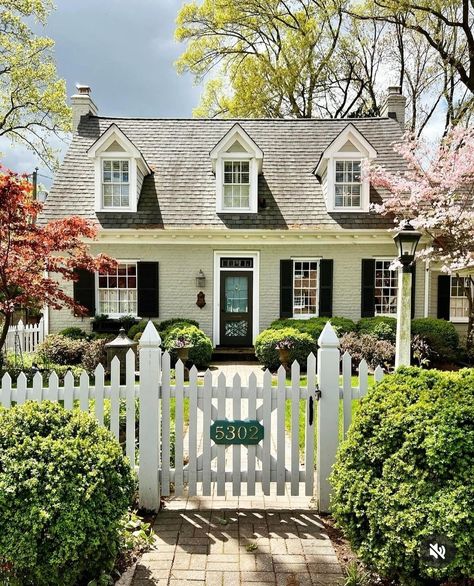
(356,575)
(59,349)
(406,472)
(266,342)
(314,326)
(441,336)
(200,352)
(168,324)
(94,354)
(64,489)
(32,98)
(74,333)
(383,328)
(135,534)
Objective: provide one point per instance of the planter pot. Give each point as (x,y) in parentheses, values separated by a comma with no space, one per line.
(284,356)
(183,354)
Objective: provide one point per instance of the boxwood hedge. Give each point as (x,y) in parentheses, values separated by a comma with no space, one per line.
(64,488)
(315,325)
(406,472)
(265,346)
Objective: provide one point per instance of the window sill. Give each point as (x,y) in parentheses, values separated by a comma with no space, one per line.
(236,211)
(459,320)
(304,317)
(105,210)
(349,210)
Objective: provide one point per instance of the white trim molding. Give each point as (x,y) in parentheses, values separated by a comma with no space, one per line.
(255,255)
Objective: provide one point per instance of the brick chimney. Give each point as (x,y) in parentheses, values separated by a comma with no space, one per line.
(394,105)
(82,104)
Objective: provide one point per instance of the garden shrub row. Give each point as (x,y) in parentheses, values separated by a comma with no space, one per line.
(405,473)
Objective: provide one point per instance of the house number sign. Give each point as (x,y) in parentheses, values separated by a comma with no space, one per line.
(225,432)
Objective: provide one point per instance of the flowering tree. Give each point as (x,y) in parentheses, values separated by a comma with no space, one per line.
(34,256)
(436,193)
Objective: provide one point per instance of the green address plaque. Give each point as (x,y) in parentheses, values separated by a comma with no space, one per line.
(225,432)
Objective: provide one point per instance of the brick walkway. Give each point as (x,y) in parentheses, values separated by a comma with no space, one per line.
(222,541)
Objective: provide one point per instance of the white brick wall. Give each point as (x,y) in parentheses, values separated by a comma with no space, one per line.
(180,263)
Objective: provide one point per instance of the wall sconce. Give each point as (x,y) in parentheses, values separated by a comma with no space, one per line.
(200,280)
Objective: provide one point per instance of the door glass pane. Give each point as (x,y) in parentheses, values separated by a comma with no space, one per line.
(236,294)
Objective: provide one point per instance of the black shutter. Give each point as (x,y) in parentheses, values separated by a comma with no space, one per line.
(367,308)
(444,296)
(148,285)
(413,289)
(84,290)
(326,267)
(286,288)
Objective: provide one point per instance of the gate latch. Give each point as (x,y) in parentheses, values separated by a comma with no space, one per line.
(317,395)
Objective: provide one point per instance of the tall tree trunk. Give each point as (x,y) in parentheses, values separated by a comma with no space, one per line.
(6,325)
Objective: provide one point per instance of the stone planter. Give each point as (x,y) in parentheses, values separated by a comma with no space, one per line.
(183,354)
(284,356)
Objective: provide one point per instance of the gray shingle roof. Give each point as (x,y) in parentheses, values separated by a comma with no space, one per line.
(182,193)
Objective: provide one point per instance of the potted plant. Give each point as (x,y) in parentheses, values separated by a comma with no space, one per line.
(284,346)
(182,345)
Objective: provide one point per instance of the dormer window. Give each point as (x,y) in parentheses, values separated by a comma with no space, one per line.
(120,169)
(347,184)
(236,184)
(115,183)
(340,172)
(236,161)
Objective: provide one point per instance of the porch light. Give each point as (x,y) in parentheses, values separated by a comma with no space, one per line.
(407,241)
(200,280)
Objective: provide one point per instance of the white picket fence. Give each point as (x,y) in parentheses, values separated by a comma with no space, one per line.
(24,338)
(260,464)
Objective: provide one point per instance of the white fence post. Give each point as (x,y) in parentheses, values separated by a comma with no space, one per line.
(328,412)
(150,371)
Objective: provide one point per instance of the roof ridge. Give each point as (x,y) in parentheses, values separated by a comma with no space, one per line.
(190,119)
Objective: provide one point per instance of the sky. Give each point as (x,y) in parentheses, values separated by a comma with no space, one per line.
(124,50)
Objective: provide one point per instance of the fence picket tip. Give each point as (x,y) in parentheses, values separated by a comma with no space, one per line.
(193,370)
(99,369)
(252,378)
(6,378)
(53,377)
(236,379)
(221,378)
(21,378)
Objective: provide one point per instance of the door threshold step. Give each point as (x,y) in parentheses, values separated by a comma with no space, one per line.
(238,353)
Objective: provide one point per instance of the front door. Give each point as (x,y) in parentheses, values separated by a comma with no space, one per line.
(236,308)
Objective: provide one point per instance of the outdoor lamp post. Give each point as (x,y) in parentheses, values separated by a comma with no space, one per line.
(406,241)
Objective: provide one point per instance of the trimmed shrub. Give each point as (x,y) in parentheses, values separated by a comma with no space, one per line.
(374,351)
(266,342)
(74,333)
(59,349)
(139,328)
(173,322)
(314,325)
(383,328)
(94,354)
(65,487)
(406,472)
(200,352)
(441,336)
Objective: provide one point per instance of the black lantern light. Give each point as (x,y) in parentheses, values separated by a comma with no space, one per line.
(200,280)
(407,241)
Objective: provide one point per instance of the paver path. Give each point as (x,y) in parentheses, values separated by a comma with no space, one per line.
(226,541)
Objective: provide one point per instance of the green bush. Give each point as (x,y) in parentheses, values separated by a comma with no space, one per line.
(200,352)
(406,471)
(176,321)
(30,365)
(314,325)
(139,328)
(441,336)
(266,342)
(74,333)
(382,327)
(65,487)
(59,349)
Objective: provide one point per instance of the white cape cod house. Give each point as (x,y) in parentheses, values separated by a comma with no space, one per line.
(258,219)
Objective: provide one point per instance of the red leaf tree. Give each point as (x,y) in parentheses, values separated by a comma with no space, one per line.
(436,193)
(35,258)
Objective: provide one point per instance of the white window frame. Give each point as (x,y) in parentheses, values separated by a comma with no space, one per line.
(331,182)
(103,159)
(253,183)
(318,288)
(97,300)
(390,260)
(355,159)
(456,319)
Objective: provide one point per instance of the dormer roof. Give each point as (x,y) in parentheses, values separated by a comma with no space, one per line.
(234,141)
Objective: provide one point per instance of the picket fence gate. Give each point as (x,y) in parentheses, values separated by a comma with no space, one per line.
(207,403)
(23,338)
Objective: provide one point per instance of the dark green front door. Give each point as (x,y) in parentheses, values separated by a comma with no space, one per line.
(236,308)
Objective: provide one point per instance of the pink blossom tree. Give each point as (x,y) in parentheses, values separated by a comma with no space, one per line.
(436,193)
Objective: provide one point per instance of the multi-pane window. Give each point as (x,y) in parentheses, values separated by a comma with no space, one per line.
(118,290)
(305,288)
(386,281)
(459,307)
(236,184)
(115,184)
(347,184)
